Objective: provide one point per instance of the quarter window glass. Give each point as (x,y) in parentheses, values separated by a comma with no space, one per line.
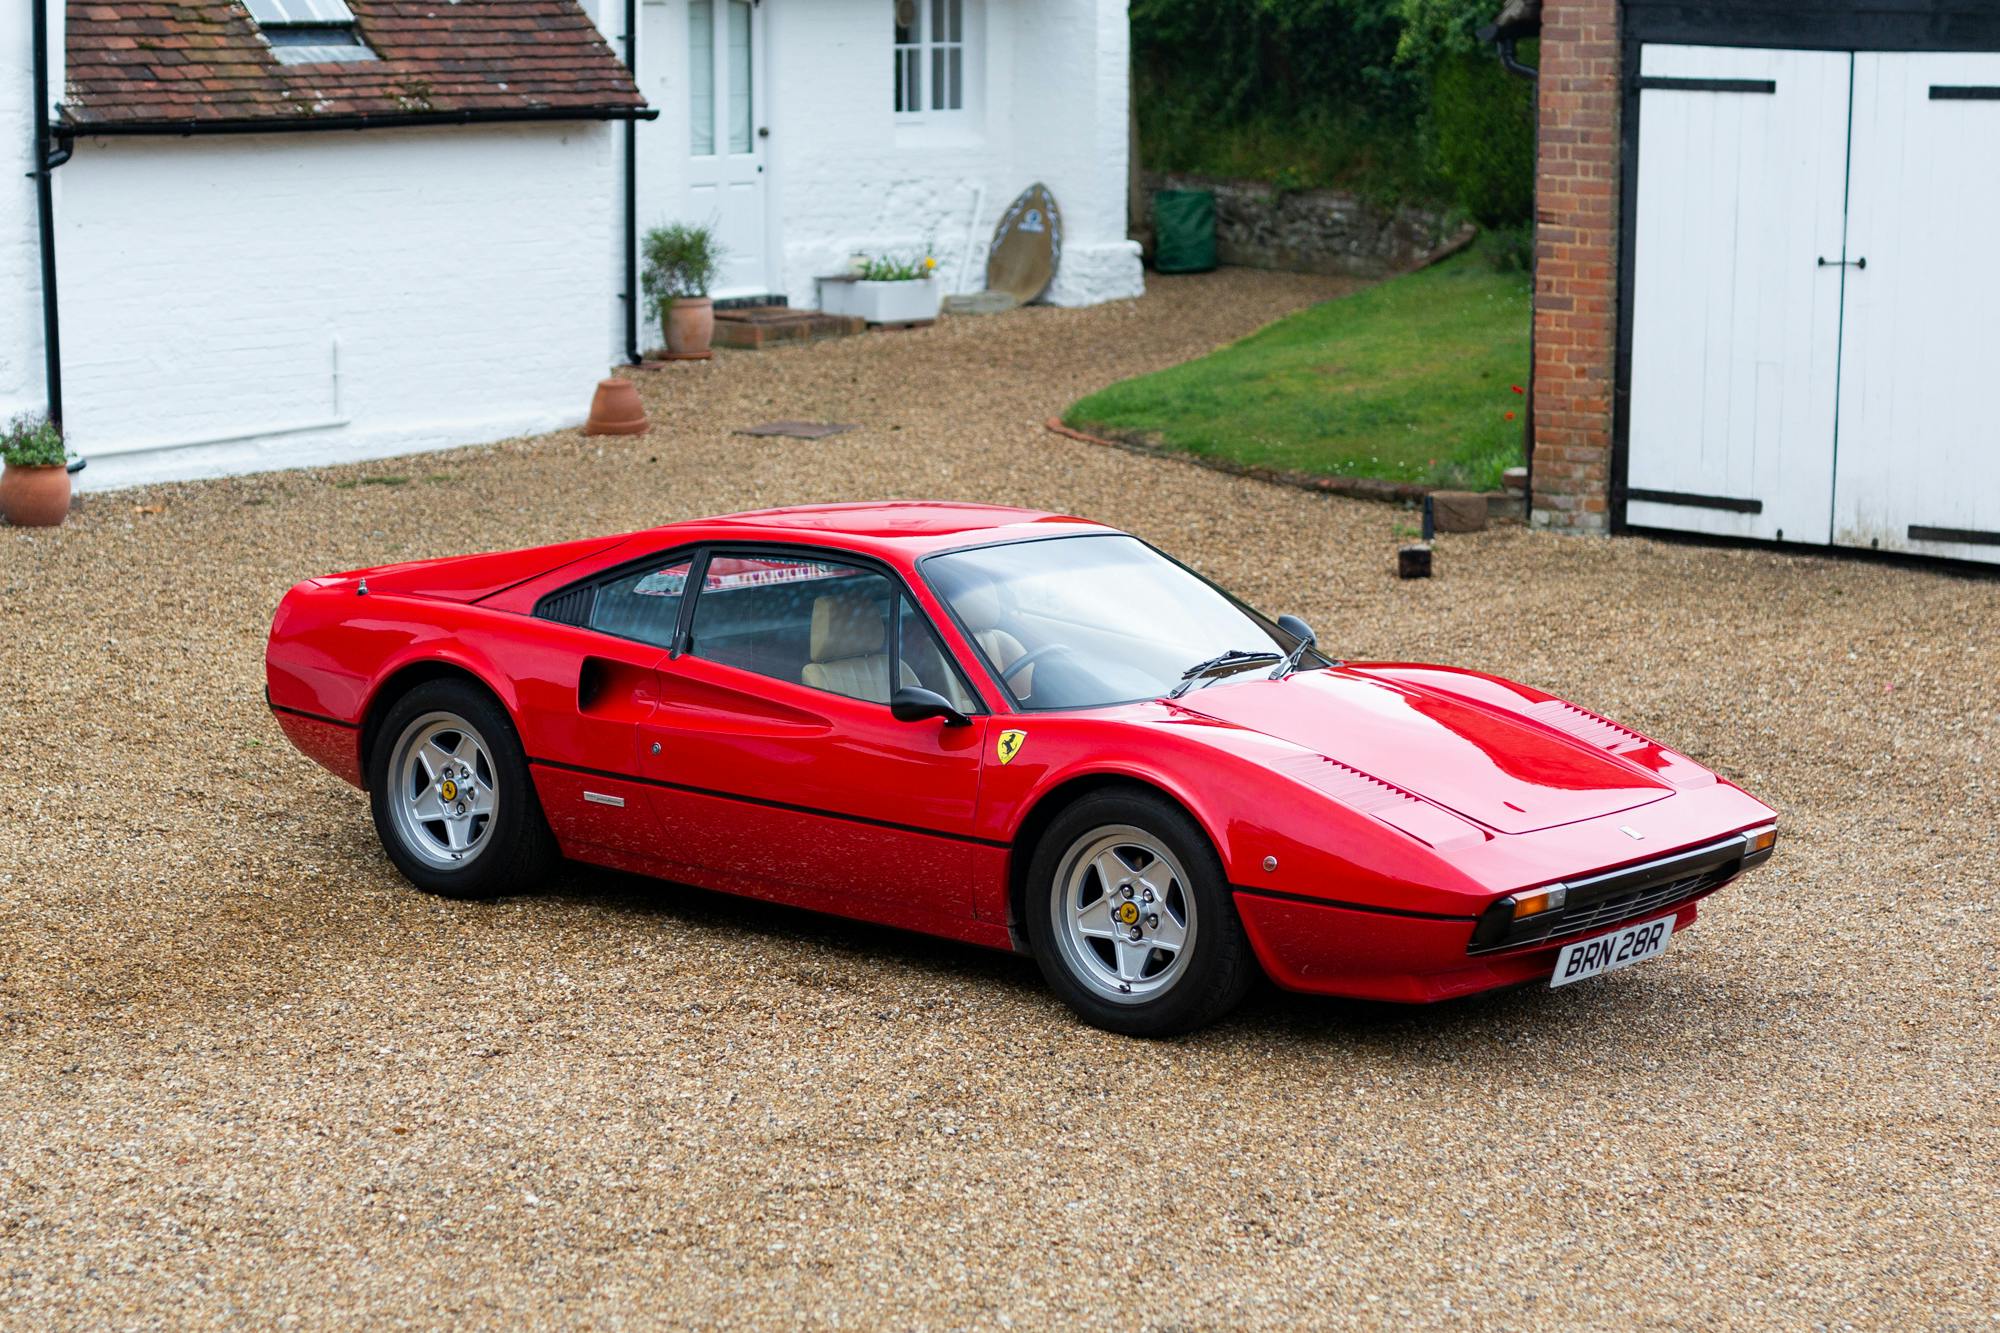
(645,606)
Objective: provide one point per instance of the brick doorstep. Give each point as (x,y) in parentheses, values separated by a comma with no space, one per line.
(750,328)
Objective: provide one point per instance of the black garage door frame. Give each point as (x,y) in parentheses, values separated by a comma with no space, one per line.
(1797,25)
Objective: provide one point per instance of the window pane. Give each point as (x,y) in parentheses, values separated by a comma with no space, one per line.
(739,76)
(810,622)
(906,22)
(645,606)
(701,77)
(938,88)
(957,20)
(957,71)
(924,663)
(935,32)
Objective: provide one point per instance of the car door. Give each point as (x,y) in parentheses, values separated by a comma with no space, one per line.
(586,683)
(778,768)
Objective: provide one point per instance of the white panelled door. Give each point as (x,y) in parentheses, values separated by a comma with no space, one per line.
(1919,450)
(726,180)
(1735,324)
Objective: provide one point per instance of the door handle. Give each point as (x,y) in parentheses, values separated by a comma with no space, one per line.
(1862,262)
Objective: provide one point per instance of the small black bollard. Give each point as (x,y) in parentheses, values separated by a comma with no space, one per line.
(1414,562)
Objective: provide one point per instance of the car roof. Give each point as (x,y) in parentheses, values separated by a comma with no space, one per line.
(903,527)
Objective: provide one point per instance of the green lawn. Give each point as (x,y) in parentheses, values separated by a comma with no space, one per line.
(1411,380)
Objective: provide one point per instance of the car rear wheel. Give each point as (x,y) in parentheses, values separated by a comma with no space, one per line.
(453,801)
(1130,917)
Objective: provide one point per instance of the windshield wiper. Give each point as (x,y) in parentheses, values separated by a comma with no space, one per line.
(1233,659)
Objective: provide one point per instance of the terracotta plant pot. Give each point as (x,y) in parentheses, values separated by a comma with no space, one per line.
(35,497)
(690,323)
(615,409)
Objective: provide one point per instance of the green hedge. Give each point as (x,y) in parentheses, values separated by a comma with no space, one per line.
(1392,98)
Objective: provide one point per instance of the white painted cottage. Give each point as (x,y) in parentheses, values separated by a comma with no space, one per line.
(291,232)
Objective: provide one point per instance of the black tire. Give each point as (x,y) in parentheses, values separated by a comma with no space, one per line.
(1219,967)
(514,849)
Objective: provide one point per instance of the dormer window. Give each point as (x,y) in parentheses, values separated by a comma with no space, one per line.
(309,32)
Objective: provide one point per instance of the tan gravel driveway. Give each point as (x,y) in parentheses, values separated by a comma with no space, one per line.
(246,1075)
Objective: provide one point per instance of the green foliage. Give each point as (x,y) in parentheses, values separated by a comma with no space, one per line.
(1435,29)
(1413,380)
(678,260)
(1510,249)
(33,441)
(1482,135)
(897,268)
(1392,99)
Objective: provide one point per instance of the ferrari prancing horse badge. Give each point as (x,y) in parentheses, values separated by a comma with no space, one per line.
(1009,745)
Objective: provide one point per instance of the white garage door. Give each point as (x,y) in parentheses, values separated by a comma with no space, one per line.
(1919,447)
(1808,298)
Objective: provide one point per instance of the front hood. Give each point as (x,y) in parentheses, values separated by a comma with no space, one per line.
(1506,772)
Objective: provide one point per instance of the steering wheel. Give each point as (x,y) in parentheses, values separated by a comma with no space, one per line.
(1026,660)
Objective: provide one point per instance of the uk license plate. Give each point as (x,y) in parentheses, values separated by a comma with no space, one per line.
(1608,953)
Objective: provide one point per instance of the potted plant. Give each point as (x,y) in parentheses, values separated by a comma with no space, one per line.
(885,289)
(680,265)
(34,488)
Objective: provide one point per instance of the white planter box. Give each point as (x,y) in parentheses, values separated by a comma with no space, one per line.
(881,302)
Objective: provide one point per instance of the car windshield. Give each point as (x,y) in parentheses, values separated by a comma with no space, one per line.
(1075,622)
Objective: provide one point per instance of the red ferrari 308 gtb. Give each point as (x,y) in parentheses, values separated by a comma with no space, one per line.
(1017,729)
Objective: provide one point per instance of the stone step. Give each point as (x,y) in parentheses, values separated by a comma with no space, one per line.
(758,326)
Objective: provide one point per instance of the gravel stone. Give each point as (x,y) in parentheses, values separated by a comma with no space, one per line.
(248,1076)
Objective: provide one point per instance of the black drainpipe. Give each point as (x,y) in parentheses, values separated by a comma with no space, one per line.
(632,356)
(1508,46)
(48,156)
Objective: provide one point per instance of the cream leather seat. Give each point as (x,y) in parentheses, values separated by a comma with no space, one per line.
(979,609)
(849,649)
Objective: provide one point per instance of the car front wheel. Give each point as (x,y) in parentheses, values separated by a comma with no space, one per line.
(1130,917)
(453,801)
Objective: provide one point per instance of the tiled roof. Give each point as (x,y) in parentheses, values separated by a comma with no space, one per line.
(153,62)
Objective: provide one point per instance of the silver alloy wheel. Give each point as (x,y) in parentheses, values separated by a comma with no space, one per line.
(444,793)
(1123,912)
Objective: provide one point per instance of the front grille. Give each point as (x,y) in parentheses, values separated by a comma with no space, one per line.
(1574,920)
(1619,895)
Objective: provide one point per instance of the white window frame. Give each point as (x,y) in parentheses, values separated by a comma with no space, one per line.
(298,22)
(921,51)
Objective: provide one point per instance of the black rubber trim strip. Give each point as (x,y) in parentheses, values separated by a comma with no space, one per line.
(1694,501)
(1955,92)
(769,804)
(317,717)
(1674,85)
(1970,536)
(1345,906)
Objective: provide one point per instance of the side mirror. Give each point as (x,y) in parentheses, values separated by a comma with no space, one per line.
(1298,629)
(911,704)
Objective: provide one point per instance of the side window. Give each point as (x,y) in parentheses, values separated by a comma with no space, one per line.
(645,606)
(812,622)
(924,661)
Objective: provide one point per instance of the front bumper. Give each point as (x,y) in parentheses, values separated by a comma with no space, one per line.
(1379,954)
(1325,950)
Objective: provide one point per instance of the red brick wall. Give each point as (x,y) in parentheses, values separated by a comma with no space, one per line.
(1576,263)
